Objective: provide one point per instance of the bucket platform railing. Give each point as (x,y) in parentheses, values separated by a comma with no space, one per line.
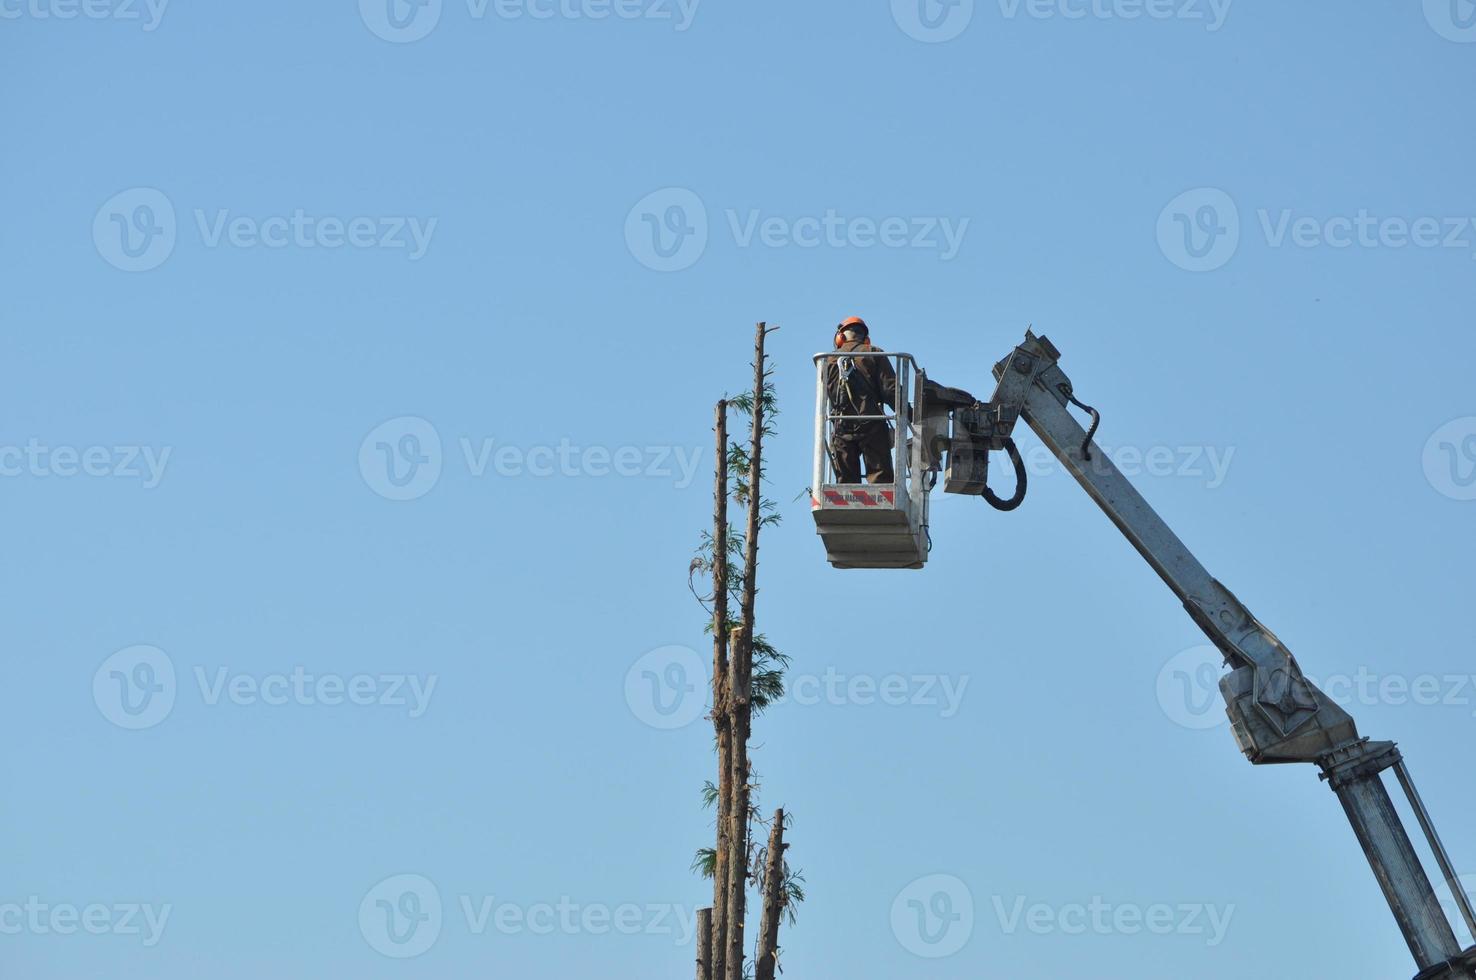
(872,525)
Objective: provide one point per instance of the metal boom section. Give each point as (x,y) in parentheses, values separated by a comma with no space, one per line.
(1278,716)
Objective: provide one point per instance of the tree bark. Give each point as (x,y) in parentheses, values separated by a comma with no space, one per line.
(755,479)
(704,944)
(775,898)
(721,720)
(740,673)
(741,664)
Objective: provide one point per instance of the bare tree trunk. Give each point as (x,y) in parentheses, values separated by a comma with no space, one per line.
(704,944)
(741,675)
(721,720)
(755,496)
(738,691)
(775,896)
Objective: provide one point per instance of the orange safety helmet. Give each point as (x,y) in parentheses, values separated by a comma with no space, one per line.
(851,323)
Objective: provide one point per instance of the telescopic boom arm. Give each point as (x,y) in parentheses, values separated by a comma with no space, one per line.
(1277,715)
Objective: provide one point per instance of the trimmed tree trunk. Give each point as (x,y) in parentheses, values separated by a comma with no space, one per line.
(720,713)
(775,898)
(741,663)
(741,676)
(704,944)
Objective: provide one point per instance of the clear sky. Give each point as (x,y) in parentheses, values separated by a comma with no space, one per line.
(252,253)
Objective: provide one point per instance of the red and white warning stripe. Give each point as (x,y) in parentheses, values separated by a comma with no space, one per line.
(853,497)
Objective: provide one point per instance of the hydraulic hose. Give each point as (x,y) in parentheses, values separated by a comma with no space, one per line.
(1021,481)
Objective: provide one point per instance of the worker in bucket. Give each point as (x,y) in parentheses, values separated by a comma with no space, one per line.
(860,386)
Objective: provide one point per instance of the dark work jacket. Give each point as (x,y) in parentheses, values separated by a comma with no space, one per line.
(872,386)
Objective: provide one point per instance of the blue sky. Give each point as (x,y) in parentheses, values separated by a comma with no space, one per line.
(253,252)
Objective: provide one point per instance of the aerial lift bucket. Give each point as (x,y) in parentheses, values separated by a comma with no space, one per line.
(868,525)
